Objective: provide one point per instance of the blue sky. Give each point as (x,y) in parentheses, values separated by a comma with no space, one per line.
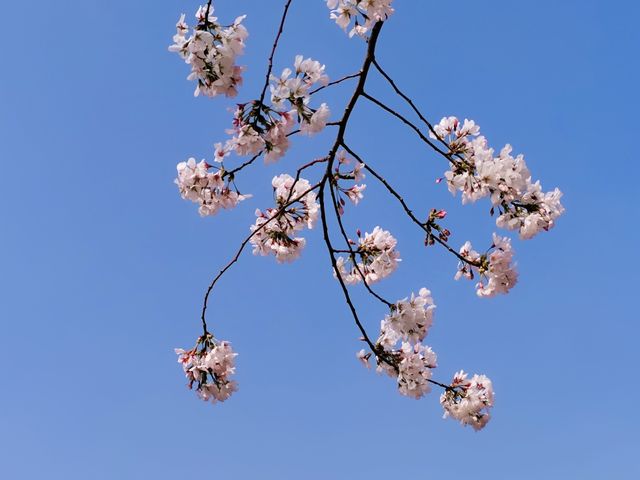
(104,267)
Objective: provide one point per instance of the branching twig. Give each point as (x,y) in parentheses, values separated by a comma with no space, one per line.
(408,211)
(411,125)
(352,253)
(408,100)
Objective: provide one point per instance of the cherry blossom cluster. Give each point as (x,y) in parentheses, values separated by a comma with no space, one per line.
(209,367)
(468,400)
(477,172)
(208,189)
(409,320)
(259,128)
(496,269)
(211,50)
(294,92)
(364,13)
(263,127)
(275,229)
(378,258)
(411,364)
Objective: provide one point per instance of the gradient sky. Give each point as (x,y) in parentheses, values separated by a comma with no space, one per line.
(104,266)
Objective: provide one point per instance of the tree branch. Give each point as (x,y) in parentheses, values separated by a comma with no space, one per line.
(273,51)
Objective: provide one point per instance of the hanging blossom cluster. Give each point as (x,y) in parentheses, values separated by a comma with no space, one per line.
(208,368)
(468,400)
(275,229)
(378,258)
(496,271)
(477,172)
(211,50)
(410,363)
(293,93)
(364,14)
(263,127)
(208,189)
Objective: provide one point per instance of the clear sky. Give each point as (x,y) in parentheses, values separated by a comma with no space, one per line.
(104,266)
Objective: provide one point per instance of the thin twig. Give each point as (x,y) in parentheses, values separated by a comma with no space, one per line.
(351,251)
(408,100)
(239,252)
(335,82)
(407,122)
(273,51)
(406,208)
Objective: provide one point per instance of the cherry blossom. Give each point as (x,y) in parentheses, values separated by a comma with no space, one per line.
(209,367)
(264,127)
(378,258)
(364,12)
(293,93)
(477,172)
(496,269)
(274,229)
(208,189)
(468,401)
(409,320)
(211,50)
(355,192)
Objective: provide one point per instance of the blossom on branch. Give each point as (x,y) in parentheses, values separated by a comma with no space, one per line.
(378,258)
(211,50)
(294,93)
(209,367)
(409,320)
(477,172)
(496,269)
(468,401)
(208,189)
(354,192)
(364,12)
(274,229)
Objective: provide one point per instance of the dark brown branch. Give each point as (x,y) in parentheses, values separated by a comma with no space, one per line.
(345,291)
(411,125)
(408,100)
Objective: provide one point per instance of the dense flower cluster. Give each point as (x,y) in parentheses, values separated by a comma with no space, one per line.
(211,50)
(274,229)
(378,258)
(411,364)
(208,189)
(364,12)
(478,173)
(209,367)
(409,320)
(468,401)
(496,269)
(293,92)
